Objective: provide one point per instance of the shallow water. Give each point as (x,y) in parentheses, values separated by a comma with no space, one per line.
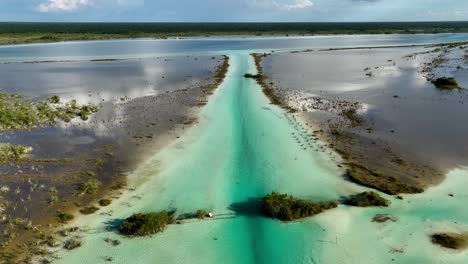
(95,82)
(244,148)
(427,123)
(149,47)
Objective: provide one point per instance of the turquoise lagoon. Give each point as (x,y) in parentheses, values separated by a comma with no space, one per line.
(243,148)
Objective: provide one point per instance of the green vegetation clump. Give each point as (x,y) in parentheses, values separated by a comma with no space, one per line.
(367,199)
(104,202)
(446,83)
(51,241)
(252,76)
(449,240)
(287,208)
(89,210)
(201,214)
(54,99)
(72,243)
(89,187)
(374,179)
(352,115)
(19,113)
(146,224)
(64,217)
(382,218)
(11,152)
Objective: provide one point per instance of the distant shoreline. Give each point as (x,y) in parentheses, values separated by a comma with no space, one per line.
(24,39)
(12,33)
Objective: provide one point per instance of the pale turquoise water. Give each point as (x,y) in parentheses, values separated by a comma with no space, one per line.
(243,148)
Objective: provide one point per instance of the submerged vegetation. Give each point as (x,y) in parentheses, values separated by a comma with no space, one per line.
(374,179)
(352,115)
(72,243)
(64,217)
(146,224)
(104,202)
(89,187)
(12,152)
(367,199)
(450,240)
(288,208)
(382,218)
(89,210)
(446,83)
(199,214)
(16,112)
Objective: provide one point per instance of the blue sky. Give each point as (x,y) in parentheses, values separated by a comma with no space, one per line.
(232,10)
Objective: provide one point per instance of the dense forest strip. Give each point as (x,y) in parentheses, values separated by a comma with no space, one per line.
(17,32)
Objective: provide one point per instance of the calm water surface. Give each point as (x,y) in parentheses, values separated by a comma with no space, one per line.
(150,48)
(244,148)
(426,122)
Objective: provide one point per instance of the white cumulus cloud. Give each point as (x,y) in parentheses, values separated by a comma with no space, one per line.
(63,5)
(283,4)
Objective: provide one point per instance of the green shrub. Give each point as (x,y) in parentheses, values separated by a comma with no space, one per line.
(367,199)
(54,99)
(452,241)
(104,202)
(446,83)
(252,76)
(19,113)
(146,224)
(72,243)
(11,152)
(201,214)
(51,241)
(89,187)
(89,210)
(54,199)
(287,208)
(64,217)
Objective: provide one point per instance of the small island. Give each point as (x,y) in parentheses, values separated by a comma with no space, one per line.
(252,76)
(146,224)
(450,240)
(446,83)
(367,199)
(288,208)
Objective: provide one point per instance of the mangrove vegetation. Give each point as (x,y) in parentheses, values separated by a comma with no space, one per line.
(12,152)
(367,199)
(286,208)
(446,83)
(146,224)
(16,112)
(450,240)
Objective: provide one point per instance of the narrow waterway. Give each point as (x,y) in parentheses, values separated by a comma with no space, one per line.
(244,148)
